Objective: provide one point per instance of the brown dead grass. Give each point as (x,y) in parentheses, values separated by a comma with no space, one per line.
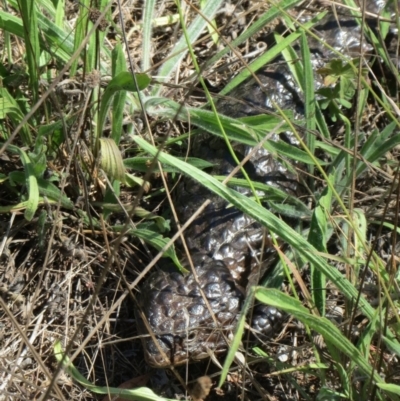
(70,283)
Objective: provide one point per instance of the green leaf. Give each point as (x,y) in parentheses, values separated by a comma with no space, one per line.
(275,198)
(389,387)
(118,66)
(133,181)
(237,338)
(321,325)
(80,28)
(147,40)
(248,130)
(142,164)
(31,34)
(30,182)
(9,108)
(59,13)
(22,206)
(57,42)
(124,81)
(309,98)
(157,241)
(353,238)
(318,237)
(139,394)
(46,188)
(275,11)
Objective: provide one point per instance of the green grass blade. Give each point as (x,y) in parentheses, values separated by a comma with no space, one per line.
(159,242)
(124,81)
(80,29)
(180,49)
(309,99)
(139,394)
(269,55)
(52,38)
(237,338)
(9,108)
(276,198)
(274,12)
(318,237)
(374,149)
(156,240)
(59,13)
(327,329)
(32,47)
(30,182)
(18,207)
(248,130)
(142,164)
(369,33)
(148,15)
(55,41)
(294,64)
(118,66)
(390,388)
(11,24)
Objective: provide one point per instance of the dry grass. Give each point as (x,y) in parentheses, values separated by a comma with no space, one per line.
(62,277)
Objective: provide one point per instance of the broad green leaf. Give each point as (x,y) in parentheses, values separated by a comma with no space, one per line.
(46,188)
(30,182)
(124,81)
(7,107)
(118,66)
(118,107)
